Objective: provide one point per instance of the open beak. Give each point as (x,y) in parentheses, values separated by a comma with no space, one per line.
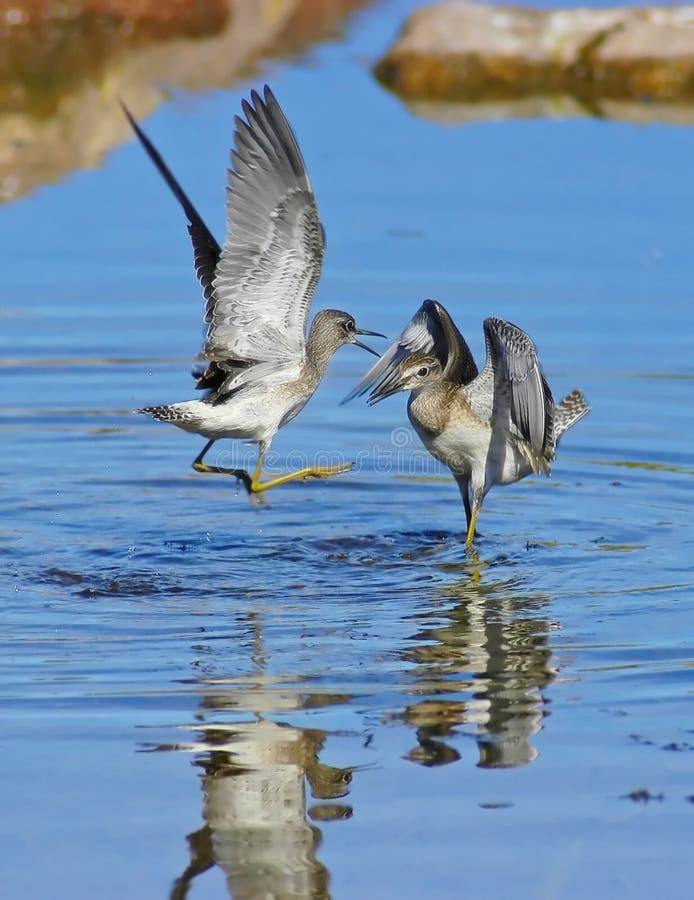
(378,372)
(371,334)
(390,385)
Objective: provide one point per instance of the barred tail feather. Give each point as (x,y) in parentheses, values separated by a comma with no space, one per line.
(162,413)
(571,409)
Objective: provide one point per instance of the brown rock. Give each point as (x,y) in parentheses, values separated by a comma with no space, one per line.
(466,52)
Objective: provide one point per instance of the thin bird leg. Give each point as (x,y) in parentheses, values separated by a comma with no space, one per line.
(468,510)
(472,525)
(466,503)
(464,487)
(471,530)
(471,518)
(200,466)
(257,486)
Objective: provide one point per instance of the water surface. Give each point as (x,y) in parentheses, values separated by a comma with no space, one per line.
(324,696)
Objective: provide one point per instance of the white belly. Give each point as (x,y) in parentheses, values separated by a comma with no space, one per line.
(253,414)
(464,449)
(458,446)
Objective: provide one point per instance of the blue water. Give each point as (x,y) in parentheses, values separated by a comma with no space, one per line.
(324,696)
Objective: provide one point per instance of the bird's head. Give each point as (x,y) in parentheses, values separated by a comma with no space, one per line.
(413,372)
(333,327)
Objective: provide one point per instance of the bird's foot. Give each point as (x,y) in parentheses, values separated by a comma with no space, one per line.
(239,474)
(472,554)
(243,476)
(327,471)
(256,488)
(202,467)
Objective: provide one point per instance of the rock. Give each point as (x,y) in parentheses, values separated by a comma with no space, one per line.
(466,52)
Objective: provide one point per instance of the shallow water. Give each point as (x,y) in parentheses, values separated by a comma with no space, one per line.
(324,695)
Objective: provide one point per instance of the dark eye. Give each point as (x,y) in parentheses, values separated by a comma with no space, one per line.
(423,372)
(349,325)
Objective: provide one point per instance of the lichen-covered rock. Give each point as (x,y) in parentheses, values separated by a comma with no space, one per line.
(467,52)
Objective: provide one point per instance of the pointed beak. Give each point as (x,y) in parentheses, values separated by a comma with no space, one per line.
(377,373)
(371,334)
(364,347)
(390,385)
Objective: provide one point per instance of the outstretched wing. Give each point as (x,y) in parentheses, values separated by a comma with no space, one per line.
(272,256)
(517,375)
(430,330)
(206,253)
(206,250)
(459,366)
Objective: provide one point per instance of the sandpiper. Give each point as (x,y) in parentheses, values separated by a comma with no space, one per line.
(260,369)
(490,427)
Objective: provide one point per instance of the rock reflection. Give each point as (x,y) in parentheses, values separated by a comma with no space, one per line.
(553,106)
(493,647)
(64,66)
(256,776)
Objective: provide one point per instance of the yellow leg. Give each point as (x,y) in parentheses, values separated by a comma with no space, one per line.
(200,466)
(472,554)
(257,486)
(254,485)
(216,470)
(471,531)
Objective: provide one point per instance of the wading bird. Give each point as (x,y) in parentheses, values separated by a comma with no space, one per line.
(490,427)
(261,368)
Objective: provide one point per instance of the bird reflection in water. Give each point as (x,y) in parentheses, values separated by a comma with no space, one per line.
(493,647)
(254,781)
(256,774)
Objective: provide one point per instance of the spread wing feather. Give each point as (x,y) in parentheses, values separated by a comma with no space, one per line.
(206,250)
(513,359)
(272,256)
(257,288)
(430,330)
